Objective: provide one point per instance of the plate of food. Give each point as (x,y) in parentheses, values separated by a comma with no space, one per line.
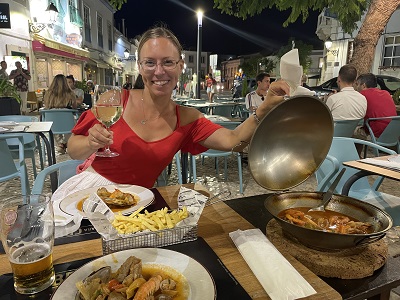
(133,273)
(119,197)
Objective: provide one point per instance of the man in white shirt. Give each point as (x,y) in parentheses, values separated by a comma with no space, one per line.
(78,92)
(255,98)
(347,104)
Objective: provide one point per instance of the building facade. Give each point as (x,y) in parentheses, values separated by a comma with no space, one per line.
(386,60)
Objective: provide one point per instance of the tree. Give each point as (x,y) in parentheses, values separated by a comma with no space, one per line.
(252,66)
(348,12)
(304,52)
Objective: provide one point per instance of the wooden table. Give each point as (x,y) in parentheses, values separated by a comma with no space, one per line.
(214,225)
(366,170)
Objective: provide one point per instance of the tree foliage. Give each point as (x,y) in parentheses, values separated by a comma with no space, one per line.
(304,52)
(251,66)
(348,11)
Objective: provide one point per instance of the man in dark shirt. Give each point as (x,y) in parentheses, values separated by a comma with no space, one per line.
(21,77)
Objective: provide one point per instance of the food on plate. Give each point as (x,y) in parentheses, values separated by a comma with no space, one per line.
(134,280)
(154,221)
(117,198)
(327,220)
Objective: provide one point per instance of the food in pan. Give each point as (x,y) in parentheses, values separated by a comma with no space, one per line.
(117,197)
(154,221)
(327,220)
(134,281)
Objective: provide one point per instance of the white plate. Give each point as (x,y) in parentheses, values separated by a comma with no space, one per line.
(201,283)
(69,203)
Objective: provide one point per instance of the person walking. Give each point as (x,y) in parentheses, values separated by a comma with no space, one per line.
(255,98)
(3,70)
(211,84)
(21,77)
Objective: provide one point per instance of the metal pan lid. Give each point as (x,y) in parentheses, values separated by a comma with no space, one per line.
(290,143)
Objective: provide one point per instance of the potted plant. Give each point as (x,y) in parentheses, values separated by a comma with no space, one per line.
(10,99)
(7,90)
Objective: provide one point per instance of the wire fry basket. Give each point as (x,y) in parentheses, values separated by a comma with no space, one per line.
(176,235)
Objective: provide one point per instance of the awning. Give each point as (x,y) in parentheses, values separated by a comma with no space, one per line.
(99,63)
(41,44)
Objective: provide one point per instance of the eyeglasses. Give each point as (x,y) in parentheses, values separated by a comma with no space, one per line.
(151,65)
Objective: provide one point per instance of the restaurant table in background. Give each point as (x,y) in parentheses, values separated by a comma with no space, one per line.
(216,222)
(41,128)
(366,170)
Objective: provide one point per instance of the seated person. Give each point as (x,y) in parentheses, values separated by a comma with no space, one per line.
(255,98)
(59,95)
(347,104)
(78,92)
(153,127)
(380,104)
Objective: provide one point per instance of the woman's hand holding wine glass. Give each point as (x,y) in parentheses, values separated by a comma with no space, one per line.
(107,107)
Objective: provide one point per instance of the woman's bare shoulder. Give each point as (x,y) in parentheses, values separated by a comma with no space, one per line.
(188,115)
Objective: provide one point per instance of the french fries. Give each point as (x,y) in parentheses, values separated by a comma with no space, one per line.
(154,221)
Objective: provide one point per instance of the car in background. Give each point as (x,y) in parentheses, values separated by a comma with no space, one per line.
(385,82)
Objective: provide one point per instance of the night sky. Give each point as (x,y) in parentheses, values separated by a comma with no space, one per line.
(222,34)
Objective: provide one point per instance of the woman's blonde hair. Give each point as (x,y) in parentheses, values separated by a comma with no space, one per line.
(59,94)
(159,32)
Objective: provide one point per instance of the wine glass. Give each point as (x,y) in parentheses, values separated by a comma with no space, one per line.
(107,107)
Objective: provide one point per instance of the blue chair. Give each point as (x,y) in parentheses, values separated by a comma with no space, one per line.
(65,170)
(389,137)
(9,168)
(345,128)
(225,154)
(342,150)
(31,142)
(225,110)
(63,119)
(162,180)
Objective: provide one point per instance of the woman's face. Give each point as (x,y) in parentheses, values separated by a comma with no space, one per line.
(160,65)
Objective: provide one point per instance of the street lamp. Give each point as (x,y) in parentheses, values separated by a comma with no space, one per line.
(199,38)
(52,13)
(328,45)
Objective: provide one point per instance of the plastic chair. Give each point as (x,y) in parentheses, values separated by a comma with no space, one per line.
(65,170)
(31,142)
(63,119)
(225,154)
(389,137)
(345,128)
(162,180)
(342,150)
(225,110)
(9,168)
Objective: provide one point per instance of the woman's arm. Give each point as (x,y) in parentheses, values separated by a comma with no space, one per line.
(82,146)
(225,139)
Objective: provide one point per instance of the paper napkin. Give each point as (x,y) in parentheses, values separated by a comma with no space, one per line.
(392,163)
(278,277)
(291,72)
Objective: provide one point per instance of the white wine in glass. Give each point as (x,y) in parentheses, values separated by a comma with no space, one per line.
(107,107)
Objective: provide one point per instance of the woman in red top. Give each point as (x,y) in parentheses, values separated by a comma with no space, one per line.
(153,128)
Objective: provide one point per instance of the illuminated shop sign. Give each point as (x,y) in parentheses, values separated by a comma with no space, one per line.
(5,21)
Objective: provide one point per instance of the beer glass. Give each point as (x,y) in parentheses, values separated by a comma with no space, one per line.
(27,234)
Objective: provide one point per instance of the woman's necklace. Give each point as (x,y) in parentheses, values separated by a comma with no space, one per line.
(145,120)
